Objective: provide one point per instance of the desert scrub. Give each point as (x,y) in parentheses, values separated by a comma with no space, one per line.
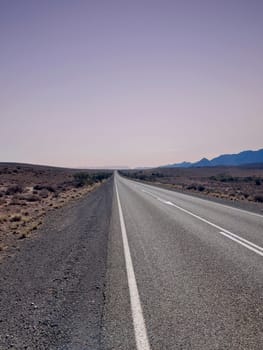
(257,182)
(11,190)
(48,188)
(85,179)
(191,187)
(44,193)
(15,218)
(3,218)
(30,197)
(82,179)
(258,198)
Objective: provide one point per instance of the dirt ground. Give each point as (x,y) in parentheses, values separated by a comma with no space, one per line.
(28,192)
(233,184)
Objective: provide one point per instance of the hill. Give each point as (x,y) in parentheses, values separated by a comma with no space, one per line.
(238,159)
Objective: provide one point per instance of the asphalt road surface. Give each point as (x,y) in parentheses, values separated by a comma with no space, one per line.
(134,266)
(198,271)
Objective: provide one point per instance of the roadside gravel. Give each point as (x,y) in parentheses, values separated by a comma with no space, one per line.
(52,289)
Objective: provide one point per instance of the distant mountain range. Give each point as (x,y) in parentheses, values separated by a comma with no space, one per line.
(242,158)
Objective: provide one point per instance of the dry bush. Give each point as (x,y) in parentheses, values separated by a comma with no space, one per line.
(28,192)
(3,218)
(45,187)
(258,198)
(191,187)
(30,197)
(44,193)
(16,201)
(15,218)
(11,190)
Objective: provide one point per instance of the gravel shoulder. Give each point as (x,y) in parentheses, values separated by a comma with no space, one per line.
(52,289)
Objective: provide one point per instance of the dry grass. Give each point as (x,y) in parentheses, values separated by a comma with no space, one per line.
(28,192)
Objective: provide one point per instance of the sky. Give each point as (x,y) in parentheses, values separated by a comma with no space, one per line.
(129,83)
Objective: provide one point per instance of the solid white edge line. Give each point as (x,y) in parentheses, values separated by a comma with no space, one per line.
(140,331)
(234,237)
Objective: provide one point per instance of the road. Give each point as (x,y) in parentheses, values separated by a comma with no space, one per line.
(133,266)
(197,268)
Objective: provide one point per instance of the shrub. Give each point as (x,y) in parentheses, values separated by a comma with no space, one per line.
(45,187)
(13,190)
(258,198)
(100,176)
(15,218)
(257,182)
(81,179)
(3,218)
(44,193)
(248,179)
(201,188)
(191,187)
(226,178)
(30,198)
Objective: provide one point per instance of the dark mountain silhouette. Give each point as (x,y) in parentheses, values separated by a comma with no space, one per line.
(202,162)
(178,165)
(242,158)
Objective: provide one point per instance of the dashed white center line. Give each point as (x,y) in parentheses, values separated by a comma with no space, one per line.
(234,237)
(248,246)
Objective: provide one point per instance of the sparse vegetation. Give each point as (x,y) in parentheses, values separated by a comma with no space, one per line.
(201,188)
(27,192)
(48,188)
(229,183)
(258,182)
(15,218)
(259,198)
(83,179)
(11,190)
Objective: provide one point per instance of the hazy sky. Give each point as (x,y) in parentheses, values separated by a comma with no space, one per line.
(137,83)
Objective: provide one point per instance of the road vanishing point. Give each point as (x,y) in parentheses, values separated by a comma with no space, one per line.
(134,266)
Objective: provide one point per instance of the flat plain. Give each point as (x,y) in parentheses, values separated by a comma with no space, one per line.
(238,186)
(29,192)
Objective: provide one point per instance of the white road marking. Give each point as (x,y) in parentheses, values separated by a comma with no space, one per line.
(205,200)
(140,331)
(244,242)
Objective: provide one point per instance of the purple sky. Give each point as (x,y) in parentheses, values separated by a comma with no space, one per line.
(137,83)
